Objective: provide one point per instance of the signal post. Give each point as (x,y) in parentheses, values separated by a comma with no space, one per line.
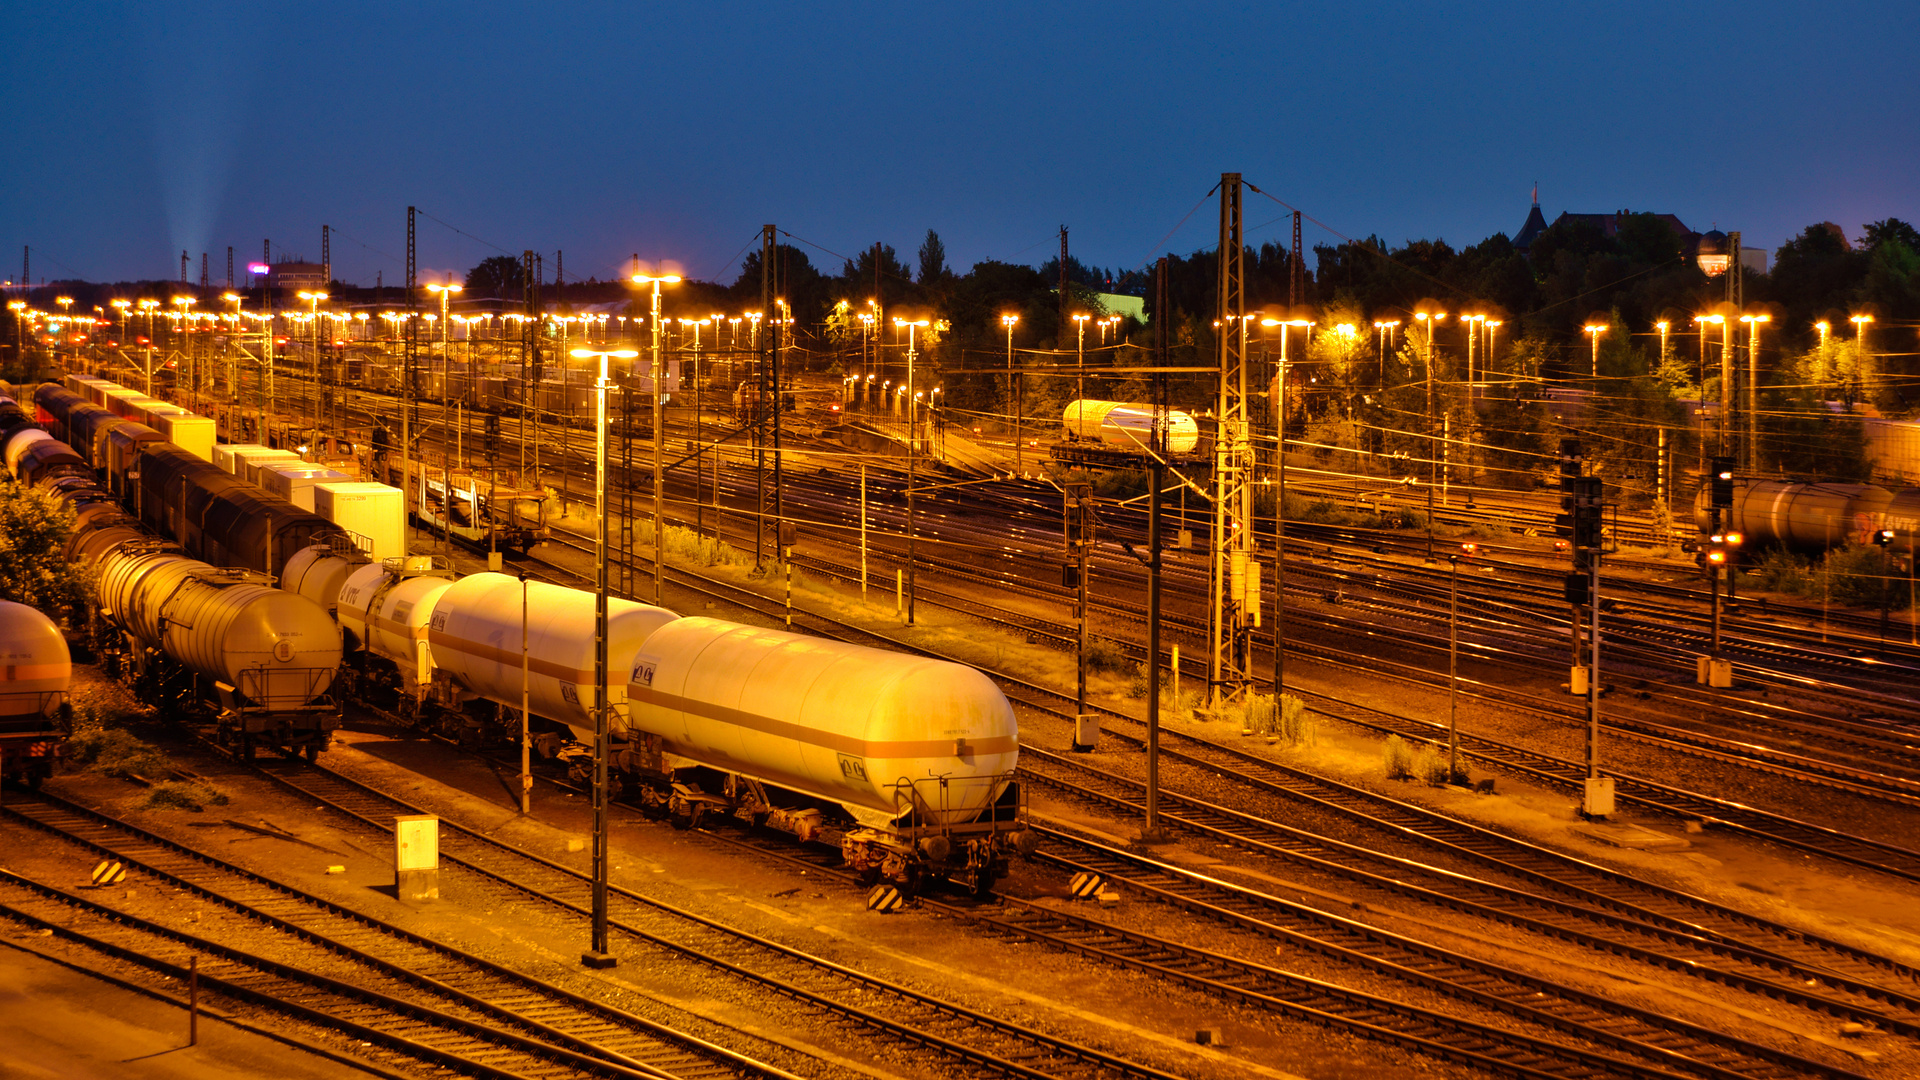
(1714,670)
(1584,501)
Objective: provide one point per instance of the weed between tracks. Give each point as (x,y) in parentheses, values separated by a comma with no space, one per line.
(102,743)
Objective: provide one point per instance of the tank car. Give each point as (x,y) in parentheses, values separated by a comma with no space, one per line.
(475,635)
(261,660)
(907,761)
(1129,427)
(35,672)
(1812,517)
(35,457)
(384,609)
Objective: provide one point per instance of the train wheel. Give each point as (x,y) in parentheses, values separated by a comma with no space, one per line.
(311,752)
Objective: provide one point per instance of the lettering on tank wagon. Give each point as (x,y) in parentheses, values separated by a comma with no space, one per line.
(853,768)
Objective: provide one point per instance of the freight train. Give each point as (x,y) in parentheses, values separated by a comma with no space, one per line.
(906,763)
(205,636)
(1813,517)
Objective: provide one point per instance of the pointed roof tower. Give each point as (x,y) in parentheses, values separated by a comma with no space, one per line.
(1536,224)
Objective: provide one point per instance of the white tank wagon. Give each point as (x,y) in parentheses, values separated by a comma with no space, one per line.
(918,753)
(319,571)
(36,670)
(261,659)
(1122,426)
(384,609)
(475,636)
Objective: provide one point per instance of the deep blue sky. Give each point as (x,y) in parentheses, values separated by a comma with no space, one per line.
(676,130)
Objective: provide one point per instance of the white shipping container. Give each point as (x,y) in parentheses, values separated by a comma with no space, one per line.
(246,463)
(223,454)
(294,481)
(368,510)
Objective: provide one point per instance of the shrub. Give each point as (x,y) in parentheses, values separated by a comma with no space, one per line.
(1782,571)
(689,546)
(1104,654)
(1399,759)
(1428,766)
(114,752)
(1856,574)
(1137,682)
(183,795)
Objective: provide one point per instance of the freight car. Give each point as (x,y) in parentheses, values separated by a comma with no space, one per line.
(1813,517)
(1128,429)
(906,763)
(218,517)
(261,661)
(35,717)
(193,637)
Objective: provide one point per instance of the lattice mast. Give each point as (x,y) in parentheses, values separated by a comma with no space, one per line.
(1232,618)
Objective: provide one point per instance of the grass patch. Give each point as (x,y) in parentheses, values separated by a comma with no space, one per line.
(1104,654)
(191,795)
(1397,756)
(114,752)
(686,545)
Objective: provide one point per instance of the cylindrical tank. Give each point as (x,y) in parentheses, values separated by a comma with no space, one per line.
(279,650)
(1902,515)
(1129,427)
(864,728)
(35,667)
(1805,517)
(17,447)
(316,573)
(386,613)
(475,635)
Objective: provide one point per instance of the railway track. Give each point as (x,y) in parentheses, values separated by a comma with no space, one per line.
(1523,1014)
(1664,798)
(357,948)
(1554,909)
(904,1020)
(1854,983)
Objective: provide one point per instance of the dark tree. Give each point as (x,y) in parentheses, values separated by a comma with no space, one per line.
(933,261)
(499,276)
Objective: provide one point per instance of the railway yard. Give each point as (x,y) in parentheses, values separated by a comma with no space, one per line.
(1746,911)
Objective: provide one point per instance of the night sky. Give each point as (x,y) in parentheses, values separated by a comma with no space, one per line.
(675,131)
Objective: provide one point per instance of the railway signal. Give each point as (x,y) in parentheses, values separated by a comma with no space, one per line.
(1722,485)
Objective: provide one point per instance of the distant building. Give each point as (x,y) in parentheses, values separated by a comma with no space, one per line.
(1752,259)
(297,275)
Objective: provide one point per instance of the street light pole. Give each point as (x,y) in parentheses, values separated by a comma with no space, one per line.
(1013,395)
(659,440)
(1430,320)
(598,956)
(912,445)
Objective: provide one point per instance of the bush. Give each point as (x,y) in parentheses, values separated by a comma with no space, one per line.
(1782,571)
(1289,722)
(114,752)
(1399,759)
(183,795)
(1429,767)
(1104,654)
(1137,682)
(689,546)
(1857,574)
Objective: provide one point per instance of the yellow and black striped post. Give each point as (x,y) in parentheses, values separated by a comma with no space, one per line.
(108,873)
(1086,885)
(884,899)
